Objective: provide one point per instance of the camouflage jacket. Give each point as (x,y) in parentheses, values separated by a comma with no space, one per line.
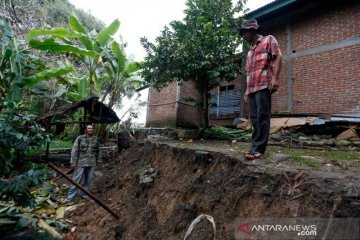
(86,151)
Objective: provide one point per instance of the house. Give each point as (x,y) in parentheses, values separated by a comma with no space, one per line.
(320,42)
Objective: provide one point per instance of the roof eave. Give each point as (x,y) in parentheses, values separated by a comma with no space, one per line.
(269,8)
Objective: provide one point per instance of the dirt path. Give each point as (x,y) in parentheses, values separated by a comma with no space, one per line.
(180,182)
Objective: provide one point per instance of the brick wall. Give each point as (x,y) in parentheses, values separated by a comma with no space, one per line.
(326,81)
(322,82)
(188,115)
(328,24)
(161,107)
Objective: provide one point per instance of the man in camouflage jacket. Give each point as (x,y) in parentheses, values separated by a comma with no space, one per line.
(85,154)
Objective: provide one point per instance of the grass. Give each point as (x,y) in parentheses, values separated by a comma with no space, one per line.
(303,157)
(54,144)
(138,172)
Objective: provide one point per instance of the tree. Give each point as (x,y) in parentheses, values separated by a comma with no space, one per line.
(19,68)
(87,47)
(201,47)
(121,79)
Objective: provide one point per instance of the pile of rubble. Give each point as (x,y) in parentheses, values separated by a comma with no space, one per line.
(348,138)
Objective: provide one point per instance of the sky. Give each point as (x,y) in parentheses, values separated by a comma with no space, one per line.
(141,18)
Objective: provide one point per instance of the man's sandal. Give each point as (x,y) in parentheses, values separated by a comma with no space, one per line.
(252,156)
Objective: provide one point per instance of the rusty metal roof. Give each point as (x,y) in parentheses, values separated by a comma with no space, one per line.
(97,111)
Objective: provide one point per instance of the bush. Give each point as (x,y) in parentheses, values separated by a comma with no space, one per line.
(223,133)
(19,133)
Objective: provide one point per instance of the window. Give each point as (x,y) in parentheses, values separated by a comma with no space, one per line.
(227,88)
(230,87)
(223,89)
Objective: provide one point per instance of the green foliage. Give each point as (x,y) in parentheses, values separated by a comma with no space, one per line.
(18,133)
(223,133)
(122,76)
(201,47)
(18,188)
(51,12)
(87,47)
(19,68)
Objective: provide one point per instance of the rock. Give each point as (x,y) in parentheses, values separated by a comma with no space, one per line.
(280,156)
(98,174)
(355,139)
(302,138)
(276,137)
(146,179)
(313,143)
(328,142)
(190,206)
(233,141)
(327,168)
(325,136)
(356,143)
(316,138)
(342,138)
(343,143)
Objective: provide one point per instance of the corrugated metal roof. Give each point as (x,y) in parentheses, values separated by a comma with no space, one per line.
(272,6)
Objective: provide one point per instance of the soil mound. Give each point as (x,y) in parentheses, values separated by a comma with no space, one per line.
(158,190)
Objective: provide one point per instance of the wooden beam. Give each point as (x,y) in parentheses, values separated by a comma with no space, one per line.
(103,205)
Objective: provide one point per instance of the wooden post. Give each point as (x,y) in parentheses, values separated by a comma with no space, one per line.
(48,130)
(103,205)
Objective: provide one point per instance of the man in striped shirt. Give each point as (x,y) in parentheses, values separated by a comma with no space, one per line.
(263,64)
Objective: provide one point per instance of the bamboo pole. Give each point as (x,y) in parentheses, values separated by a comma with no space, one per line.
(103,205)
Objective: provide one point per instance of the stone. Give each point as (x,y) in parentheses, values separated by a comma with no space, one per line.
(276,137)
(313,143)
(146,179)
(302,138)
(356,143)
(343,143)
(316,138)
(280,156)
(328,142)
(327,168)
(98,173)
(325,136)
(233,141)
(342,138)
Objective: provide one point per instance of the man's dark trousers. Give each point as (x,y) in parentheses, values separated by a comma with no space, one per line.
(260,110)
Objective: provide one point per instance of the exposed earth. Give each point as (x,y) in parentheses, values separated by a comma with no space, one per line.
(159,188)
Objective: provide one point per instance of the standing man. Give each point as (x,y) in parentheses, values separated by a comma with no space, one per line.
(85,154)
(263,65)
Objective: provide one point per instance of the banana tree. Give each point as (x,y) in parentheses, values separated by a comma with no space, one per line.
(121,78)
(19,69)
(88,47)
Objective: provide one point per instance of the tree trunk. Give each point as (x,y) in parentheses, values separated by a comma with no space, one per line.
(205,102)
(91,84)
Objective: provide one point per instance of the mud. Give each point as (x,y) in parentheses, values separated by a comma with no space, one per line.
(190,182)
